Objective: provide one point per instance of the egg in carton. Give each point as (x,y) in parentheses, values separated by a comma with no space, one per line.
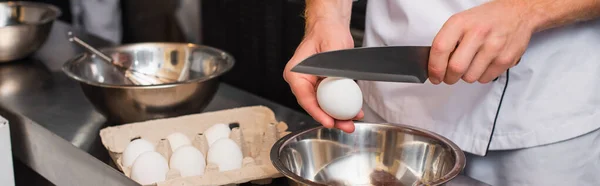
(253,129)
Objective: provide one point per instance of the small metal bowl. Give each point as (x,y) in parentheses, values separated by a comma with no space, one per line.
(120,101)
(24,27)
(375,154)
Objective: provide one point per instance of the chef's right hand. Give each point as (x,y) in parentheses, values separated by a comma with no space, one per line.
(321,36)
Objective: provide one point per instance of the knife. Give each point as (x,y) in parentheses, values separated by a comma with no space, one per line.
(389,63)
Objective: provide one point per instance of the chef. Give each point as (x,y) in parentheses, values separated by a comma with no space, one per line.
(99,17)
(514,83)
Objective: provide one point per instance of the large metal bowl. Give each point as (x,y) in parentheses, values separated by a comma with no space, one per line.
(120,101)
(375,154)
(24,27)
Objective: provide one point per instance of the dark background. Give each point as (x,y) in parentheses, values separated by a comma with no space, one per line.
(262,35)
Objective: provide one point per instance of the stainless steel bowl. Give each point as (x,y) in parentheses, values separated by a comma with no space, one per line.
(375,154)
(24,27)
(120,101)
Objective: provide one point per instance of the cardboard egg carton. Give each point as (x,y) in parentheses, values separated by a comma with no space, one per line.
(256,130)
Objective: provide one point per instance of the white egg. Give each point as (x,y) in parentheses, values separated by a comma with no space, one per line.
(216,132)
(341,98)
(177,140)
(226,154)
(188,160)
(134,149)
(149,168)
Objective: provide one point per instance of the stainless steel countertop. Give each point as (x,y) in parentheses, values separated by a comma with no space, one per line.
(55,129)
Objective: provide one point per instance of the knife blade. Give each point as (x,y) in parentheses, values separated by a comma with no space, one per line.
(389,63)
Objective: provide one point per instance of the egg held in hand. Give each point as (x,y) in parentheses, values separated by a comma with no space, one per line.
(226,154)
(134,149)
(149,168)
(340,98)
(188,160)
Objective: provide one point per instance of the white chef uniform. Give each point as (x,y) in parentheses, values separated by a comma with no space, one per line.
(543,113)
(99,17)
(103,18)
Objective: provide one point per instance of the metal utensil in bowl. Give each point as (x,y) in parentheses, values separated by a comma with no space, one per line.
(374,154)
(24,27)
(121,101)
(138,78)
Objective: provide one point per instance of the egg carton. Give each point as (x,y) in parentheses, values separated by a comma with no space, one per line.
(254,129)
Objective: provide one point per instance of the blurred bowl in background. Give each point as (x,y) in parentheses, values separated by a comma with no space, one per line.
(24,27)
(374,154)
(120,101)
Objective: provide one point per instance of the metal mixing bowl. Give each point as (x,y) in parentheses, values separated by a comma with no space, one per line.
(375,154)
(24,27)
(120,101)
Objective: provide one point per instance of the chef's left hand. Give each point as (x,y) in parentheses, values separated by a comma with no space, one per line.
(481,43)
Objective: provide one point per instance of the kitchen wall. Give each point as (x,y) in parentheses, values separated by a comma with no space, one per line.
(261,35)
(151,21)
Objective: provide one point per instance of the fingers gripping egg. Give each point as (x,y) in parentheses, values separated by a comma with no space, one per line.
(134,149)
(188,160)
(226,154)
(177,140)
(149,168)
(216,132)
(341,98)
